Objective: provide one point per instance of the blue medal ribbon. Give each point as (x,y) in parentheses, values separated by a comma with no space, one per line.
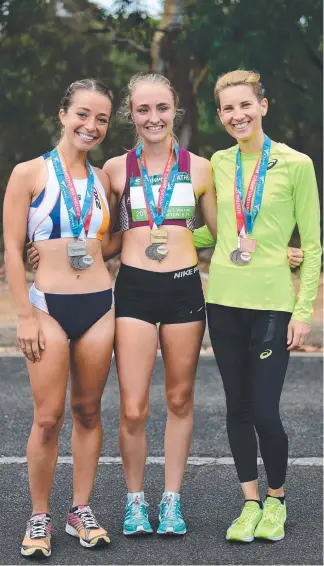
(158,219)
(251,216)
(76,225)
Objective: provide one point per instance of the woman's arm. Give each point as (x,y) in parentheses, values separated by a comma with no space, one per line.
(112,241)
(307,212)
(15,213)
(202,176)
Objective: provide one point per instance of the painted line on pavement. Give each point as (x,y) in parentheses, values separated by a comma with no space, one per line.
(192,461)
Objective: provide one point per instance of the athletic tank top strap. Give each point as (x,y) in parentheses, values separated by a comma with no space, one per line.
(132,169)
(184,161)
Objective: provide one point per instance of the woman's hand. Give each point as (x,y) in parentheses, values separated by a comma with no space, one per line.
(30,338)
(297,334)
(295,257)
(32,256)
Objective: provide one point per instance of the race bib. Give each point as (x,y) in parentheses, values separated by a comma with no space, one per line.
(182,204)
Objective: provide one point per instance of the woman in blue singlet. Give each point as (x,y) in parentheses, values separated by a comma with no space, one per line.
(62,203)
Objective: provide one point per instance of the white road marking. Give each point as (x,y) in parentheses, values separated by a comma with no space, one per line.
(193,461)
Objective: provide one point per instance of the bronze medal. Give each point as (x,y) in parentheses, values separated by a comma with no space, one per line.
(247,244)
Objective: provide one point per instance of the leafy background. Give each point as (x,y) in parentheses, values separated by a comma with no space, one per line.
(45,45)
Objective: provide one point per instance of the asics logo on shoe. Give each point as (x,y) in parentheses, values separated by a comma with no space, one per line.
(265,354)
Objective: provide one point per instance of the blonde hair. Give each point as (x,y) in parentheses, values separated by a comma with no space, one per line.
(239,77)
(125,110)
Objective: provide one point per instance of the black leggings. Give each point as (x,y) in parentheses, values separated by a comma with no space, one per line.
(250,347)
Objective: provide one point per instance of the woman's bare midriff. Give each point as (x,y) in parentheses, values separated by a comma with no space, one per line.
(181,254)
(55,274)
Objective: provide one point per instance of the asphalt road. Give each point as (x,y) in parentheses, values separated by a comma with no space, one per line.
(210,496)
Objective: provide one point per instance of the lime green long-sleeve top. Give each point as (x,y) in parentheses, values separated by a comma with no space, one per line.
(290,196)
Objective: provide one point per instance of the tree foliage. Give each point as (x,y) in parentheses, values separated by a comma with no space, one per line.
(47,44)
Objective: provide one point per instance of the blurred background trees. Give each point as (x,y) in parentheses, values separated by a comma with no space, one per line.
(47,44)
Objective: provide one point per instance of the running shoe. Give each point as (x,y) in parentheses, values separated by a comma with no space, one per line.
(272,524)
(136,517)
(37,540)
(242,529)
(82,523)
(171,520)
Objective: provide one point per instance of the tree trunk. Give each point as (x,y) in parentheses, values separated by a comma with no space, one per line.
(183,73)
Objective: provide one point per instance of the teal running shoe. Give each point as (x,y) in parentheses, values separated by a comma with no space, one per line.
(136,518)
(171,520)
(243,528)
(272,524)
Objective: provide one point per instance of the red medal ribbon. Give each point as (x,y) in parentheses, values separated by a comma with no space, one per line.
(74,195)
(240,216)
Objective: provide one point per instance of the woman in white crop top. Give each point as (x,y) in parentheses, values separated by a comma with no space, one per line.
(63,205)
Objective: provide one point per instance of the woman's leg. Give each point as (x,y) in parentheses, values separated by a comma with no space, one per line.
(269,360)
(135,347)
(90,362)
(269,364)
(48,379)
(230,332)
(230,337)
(180,345)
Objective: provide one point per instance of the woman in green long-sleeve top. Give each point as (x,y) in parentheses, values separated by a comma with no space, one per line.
(263,189)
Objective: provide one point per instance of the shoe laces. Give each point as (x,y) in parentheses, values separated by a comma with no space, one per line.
(246,515)
(136,505)
(271,513)
(172,507)
(87,517)
(39,526)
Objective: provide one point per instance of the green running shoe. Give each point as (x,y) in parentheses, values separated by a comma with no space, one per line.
(242,529)
(271,526)
(136,518)
(171,520)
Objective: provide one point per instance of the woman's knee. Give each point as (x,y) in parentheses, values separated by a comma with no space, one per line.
(267,423)
(86,415)
(180,402)
(238,411)
(48,425)
(133,417)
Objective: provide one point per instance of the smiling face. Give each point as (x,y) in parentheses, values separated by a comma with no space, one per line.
(241,112)
(86,120)
(153,111)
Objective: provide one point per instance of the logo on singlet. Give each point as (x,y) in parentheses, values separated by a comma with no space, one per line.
(265,354)
(97,199)
(272,163)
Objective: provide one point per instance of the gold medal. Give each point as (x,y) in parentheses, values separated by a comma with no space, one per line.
(159,236)
(158,249)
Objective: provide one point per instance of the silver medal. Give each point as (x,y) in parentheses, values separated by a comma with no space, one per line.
(233,256)
(240,258)
(78,257)
(81,262)
(156,252)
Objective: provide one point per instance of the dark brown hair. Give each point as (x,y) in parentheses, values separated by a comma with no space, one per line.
(84,84)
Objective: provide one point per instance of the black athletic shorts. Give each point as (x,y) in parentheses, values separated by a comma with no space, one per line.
(169,298)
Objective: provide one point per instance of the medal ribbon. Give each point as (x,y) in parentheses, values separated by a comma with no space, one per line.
(79,219)
(246,214)
(157,213)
